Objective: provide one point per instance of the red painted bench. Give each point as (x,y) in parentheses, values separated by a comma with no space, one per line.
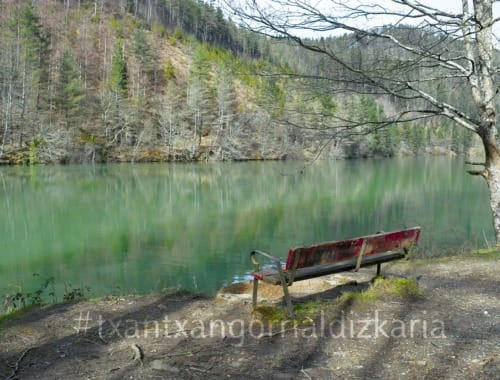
(333,257)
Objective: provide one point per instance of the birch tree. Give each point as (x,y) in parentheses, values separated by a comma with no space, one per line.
(225,103)
(168,117)
(197,94)
(196,101)
(442,45)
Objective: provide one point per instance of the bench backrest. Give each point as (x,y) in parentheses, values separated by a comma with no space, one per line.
(337,251)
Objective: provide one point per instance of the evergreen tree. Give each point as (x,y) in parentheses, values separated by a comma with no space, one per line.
(71,88)
(145,69)
(22,54)
(34,69)
(416,138)
(118,79)
(140,46)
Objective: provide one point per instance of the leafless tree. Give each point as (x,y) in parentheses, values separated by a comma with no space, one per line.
(454,47)
(196,100)
(168,117)
(225,104)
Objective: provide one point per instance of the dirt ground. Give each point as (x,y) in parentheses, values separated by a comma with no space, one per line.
(452,331)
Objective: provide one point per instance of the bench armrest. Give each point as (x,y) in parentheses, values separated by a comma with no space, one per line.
(275,260)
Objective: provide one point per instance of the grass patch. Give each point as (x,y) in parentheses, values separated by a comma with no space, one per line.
(435,260)
(492,253)
(397,287)
(11,315)
(311,308)
(304,313)
(485,253)
(385,289)
(270,314)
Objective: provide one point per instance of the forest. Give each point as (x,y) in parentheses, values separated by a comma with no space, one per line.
(176,80)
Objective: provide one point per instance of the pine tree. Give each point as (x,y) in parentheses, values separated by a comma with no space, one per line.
(34,69)
(140,46)
(71,88)
(145,64)
(118,79)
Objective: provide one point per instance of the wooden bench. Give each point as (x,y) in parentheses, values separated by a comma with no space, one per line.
(333,257)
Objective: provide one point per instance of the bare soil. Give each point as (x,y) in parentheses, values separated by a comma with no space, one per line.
(452,331)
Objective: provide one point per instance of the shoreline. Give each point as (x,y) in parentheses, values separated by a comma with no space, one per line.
(76,295)
(185,335)
(22,158)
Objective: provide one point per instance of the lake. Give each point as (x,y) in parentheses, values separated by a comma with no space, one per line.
(123,229)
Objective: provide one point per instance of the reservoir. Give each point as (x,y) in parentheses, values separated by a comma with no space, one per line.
(123,228)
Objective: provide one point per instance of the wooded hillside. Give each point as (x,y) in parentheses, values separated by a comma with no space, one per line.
(173,80)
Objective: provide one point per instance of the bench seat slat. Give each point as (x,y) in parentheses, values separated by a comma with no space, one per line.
(272,276)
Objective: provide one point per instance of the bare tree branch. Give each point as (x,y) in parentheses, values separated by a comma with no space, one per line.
(423,46)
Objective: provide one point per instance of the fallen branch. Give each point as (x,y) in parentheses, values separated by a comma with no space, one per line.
(199,370)
(16,366)
(303,371)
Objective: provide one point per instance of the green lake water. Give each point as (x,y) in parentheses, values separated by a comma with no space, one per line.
(123,229)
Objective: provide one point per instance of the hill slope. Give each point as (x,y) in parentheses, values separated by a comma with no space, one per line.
(160,81)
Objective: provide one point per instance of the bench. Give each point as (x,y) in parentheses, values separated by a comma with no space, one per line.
(332,257)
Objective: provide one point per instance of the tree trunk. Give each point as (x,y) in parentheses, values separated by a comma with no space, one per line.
(491,173)
(484,91)
(493,180)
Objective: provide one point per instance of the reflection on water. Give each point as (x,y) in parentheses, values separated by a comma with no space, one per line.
(137,228)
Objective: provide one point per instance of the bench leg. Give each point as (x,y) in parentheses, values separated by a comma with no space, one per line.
(378,269)
(288,301)
(360,256)
(255,290)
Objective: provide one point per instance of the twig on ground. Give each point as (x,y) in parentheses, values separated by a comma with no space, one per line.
(13,375)
(303,371)
(199,370)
